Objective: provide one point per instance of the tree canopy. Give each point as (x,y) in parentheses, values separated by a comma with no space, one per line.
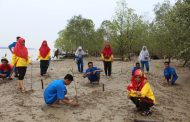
(167,35)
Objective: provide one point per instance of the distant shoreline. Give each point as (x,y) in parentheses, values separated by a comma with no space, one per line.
(8,48)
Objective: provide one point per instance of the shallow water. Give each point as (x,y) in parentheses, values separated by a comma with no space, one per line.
(33,53)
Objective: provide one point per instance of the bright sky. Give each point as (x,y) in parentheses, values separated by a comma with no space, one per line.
(38,20)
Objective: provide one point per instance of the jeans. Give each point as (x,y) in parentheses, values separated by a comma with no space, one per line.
(94,77)
(7,73)
(172,80)
(80,65)
(146,65)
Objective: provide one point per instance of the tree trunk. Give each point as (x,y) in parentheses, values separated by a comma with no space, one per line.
(169,59)
(185,62)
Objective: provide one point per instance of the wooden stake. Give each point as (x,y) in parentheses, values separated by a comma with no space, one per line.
(76,97)
(103,89)
(31,84)
(42,83)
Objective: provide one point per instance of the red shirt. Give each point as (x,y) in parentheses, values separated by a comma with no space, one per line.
(5,68)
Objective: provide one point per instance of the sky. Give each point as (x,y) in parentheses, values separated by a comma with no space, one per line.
(38,20)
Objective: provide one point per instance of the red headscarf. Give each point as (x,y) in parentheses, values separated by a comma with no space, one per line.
(134,85)
(44,49)
(20,50)
(107,51)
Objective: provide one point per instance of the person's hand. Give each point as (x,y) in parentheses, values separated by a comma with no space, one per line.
(31,63)
(138,93)
(88,73)
(75,104)
(36,59)
(10,78)
(94,72)
(3,75)
(128,96)
(84,76)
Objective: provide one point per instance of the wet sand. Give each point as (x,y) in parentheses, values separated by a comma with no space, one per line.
(96,105)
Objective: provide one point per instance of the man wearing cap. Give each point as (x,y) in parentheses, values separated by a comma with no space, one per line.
(5,69)
(56,91)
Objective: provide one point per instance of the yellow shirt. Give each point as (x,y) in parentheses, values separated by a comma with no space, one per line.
(46,58)
(19,62)
(146,91)
(104,59)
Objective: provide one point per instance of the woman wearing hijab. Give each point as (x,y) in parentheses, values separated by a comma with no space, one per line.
(144,58)
(140,92)
(79,54)
(107,57)
(44,56)
(21,61)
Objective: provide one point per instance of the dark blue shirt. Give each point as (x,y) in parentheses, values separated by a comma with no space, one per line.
(12,45)
(170,71)
(92,76)
(56,90)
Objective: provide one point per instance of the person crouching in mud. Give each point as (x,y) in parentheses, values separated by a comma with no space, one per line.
(55,93)
(140,93)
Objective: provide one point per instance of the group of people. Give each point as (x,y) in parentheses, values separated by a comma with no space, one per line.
(139,90)
(20,61)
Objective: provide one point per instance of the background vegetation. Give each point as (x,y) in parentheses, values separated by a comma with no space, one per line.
(167,35)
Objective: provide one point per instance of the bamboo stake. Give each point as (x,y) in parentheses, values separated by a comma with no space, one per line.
(31,83)
(76,97)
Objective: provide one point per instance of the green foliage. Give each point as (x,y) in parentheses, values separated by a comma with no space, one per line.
(167,35)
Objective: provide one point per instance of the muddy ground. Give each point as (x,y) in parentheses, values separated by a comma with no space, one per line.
(96,105)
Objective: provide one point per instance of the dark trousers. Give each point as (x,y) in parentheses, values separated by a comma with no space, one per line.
(143,104)
(108,67)
(43,66)
(96,77)
(21,72)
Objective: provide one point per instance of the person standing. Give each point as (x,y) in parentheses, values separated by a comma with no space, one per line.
(79,54)
(20,60)
(107,57)
(11,48)
(44,56)
(144,58)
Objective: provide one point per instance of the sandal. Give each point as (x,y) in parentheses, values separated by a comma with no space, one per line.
(146,113)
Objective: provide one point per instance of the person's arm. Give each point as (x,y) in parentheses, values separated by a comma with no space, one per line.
(86,74)
(97,70)
(38,56)
(49,56)
(14,60)
(111,57)
(11,71)
(1,74)
(10,48)
(145,90)
(102,56)
(68,102)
